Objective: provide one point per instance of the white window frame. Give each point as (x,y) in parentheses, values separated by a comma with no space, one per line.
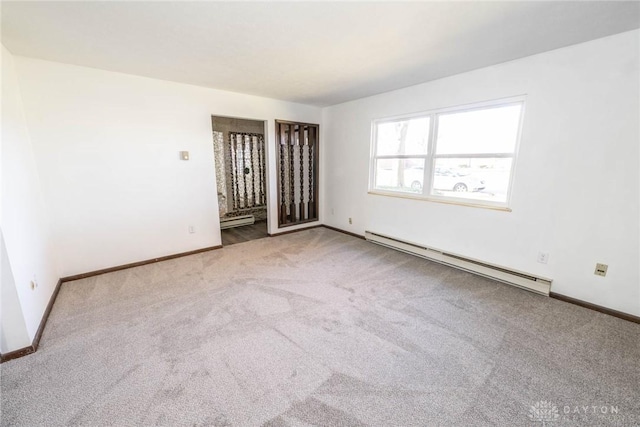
(430,157)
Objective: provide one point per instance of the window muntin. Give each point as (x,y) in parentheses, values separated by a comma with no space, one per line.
(465,155)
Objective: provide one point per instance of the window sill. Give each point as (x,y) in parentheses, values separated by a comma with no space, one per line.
(467,203)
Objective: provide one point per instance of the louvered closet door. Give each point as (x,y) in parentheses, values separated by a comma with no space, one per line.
(297,162)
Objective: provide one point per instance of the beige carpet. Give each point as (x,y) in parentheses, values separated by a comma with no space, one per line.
(319,328)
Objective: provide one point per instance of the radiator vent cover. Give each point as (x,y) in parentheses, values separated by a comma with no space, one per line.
(236,221)
(530,282)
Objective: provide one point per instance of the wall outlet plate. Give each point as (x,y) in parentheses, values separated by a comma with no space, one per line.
(601,270)
(543,257)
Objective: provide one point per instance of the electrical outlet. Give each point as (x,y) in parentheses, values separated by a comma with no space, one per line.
(350,220)
(543,257)
(192,229)
(601,270)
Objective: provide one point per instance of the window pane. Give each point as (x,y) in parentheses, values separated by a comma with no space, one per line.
(491,130)
(477,179)
(405,175)
(409,136)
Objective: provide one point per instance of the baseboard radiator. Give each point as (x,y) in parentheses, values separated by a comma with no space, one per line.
(526,281)
(236,221)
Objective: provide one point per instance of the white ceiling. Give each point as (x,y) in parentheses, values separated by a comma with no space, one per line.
(319,53)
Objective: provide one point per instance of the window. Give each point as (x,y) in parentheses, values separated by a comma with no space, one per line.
(465,155)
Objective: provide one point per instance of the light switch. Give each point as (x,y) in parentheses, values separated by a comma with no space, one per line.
(184,155)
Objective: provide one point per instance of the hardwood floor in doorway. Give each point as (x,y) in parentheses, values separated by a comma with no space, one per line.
(231,236)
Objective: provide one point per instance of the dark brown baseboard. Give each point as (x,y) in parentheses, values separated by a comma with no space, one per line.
(339,230)
(36,339)
(605,310)
(16,354)
(294,231)
(137,264)
(45,316)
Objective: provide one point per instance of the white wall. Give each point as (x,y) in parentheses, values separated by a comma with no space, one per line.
(577,186)
(29,250)
(13,329)
(107,145)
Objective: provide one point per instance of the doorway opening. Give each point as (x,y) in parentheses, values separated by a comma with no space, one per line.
(240,160)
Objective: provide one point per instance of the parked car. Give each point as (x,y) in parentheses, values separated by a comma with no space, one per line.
(445,179)
(456,180)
